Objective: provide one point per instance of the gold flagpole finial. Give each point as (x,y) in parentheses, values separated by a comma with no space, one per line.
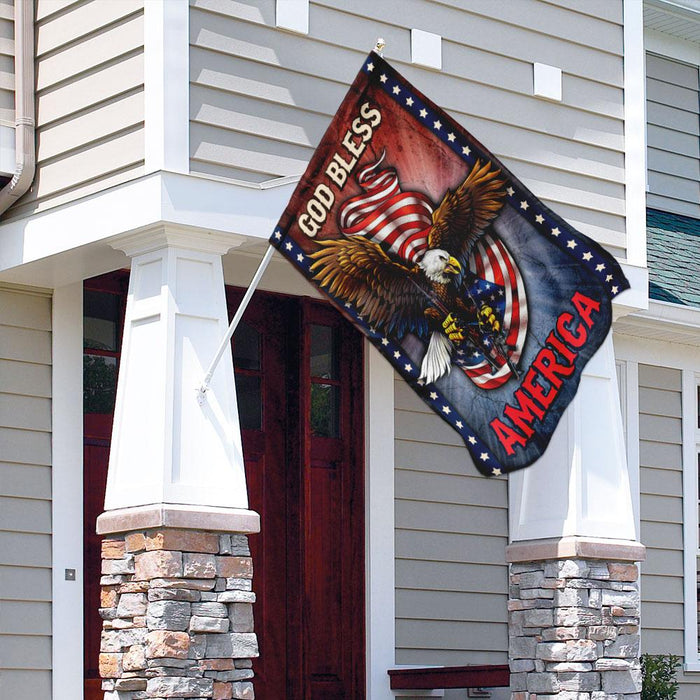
(379,46)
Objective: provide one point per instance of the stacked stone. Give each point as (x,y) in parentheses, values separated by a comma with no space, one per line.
(574,630)
(177,616)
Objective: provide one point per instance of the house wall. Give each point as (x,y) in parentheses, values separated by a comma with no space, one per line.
(7,63)
(90,106)
(673,128)
(451,535)
(261,98)
(25,494)
(661,515)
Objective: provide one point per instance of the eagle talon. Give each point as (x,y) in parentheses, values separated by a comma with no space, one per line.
(486,313)
(452,330)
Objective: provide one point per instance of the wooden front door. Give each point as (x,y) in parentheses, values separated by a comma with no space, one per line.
(299,382)
(298,371)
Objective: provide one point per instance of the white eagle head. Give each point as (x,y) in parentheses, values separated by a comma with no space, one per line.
(439,265)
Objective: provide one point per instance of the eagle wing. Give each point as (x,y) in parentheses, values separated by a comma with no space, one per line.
(386,293)
(463,214)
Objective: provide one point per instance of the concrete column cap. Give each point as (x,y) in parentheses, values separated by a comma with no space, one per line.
(574,547)
(209,518)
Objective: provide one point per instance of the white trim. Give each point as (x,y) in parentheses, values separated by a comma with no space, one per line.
(671,46)
(67,491)
(690,516)
(379,509)
(196,202)
(635,132)
(166,85)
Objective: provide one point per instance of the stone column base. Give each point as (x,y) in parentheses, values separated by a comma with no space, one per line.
(573,625)
(177,612)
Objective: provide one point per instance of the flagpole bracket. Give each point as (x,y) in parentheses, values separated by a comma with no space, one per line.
(380,46)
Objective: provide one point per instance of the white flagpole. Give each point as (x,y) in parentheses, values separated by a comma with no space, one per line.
(202,389)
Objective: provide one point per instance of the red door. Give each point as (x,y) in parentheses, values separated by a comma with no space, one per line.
(299,383)
(104,301)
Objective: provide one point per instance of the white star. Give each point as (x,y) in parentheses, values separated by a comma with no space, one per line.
(524,205)
(397,354)
(408,368)
(409,101)
(609,278)
(288,246)
(484,456)
(600,268)
(472,440)
(347,304)
(423,113)
(433,395)
(460,352)
(396,90)
(476,353)
(437,125)
(466,150)
(615,290)
(385,341)
(360,318)
(278,235)
(587,256)
(421,382)
(539,219)
(496,472)
(382,77)
(370,67)
(510,191)
(450,137)
(556,231)
(571,244)
(459,424)
(446,410)
(300,257)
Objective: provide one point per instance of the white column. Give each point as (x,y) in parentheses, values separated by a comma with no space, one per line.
(67,491)
(166,447)
(580,487)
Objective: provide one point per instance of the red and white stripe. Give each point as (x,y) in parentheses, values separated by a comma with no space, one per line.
(398,221)
(491,260)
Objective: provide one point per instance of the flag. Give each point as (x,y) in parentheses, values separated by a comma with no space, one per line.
(483,299)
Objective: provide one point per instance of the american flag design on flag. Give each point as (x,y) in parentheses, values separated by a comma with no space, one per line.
(485,301)
(492,262)
(398,221)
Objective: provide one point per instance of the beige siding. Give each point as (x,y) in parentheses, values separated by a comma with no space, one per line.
(451,533)
(25,494)
(90,105)
(673,127)
(261,98)
(7,63)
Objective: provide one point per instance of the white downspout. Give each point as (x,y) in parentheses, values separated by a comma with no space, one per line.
(24,106)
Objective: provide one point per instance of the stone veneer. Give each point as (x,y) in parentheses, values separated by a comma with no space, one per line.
(574,630)
(177,615)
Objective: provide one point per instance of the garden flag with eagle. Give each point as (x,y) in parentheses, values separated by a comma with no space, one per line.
(484,300)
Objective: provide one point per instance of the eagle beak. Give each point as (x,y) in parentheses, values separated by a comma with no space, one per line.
(452,267)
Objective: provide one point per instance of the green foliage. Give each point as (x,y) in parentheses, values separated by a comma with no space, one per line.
(659,676)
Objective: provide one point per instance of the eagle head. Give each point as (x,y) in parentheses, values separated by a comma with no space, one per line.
(439,265)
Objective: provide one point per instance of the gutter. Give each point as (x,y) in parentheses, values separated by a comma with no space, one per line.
(24,106)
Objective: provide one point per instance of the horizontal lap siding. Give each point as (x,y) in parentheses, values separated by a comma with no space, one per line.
(7,63)
(451,534)
(661,509)
(90,106)
(25,495)
(673,128)
(261,98)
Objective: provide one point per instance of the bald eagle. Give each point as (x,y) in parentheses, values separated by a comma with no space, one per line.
(422,297)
